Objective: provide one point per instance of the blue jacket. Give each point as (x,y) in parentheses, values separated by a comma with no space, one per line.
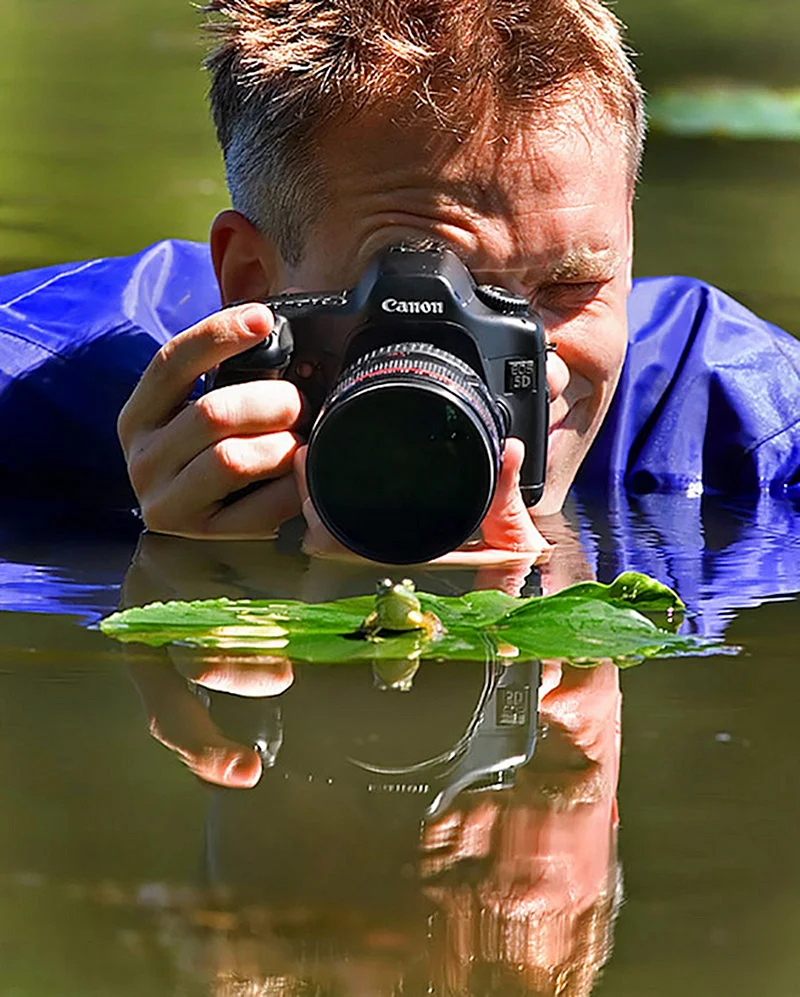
(707,412)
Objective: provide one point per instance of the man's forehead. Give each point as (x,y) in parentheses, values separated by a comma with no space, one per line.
(546,199)
(564,160)
(558,201)
(483,167)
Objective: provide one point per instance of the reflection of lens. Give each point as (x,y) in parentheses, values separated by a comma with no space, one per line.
(403,460)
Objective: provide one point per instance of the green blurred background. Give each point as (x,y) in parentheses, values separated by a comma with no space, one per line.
(106,146)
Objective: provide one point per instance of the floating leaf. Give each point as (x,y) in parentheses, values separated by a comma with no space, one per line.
(582,624)
(741,112)
(585,629)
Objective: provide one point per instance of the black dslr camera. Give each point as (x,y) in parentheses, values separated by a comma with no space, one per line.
(416,376)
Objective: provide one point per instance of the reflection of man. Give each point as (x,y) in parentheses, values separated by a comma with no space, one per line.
(523,882)
(511,890)
(512,133)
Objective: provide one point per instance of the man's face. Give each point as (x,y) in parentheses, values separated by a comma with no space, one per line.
(545,213)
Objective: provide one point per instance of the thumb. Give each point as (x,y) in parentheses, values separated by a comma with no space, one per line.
(317,540)
(508,524)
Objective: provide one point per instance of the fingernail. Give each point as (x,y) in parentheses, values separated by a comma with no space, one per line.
(240,770)
(256,318)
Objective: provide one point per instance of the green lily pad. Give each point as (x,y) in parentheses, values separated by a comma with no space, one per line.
(582,624)
(740,112)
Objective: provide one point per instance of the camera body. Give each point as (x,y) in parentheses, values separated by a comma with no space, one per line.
(415,321)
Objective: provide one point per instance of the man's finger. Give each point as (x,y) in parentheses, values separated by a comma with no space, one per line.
(259,514)
(190,501)
(173,371)
(254,408)
(318,541)
(181,723)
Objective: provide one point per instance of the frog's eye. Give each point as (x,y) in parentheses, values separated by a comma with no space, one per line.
(385,585)
(408,584)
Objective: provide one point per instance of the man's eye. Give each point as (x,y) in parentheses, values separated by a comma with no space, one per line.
(567,294)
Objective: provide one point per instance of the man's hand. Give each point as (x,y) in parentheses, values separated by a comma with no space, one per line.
(186,457)
(508,525)
(509,534)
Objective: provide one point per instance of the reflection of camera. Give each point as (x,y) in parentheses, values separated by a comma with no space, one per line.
(328,843)
(499,738)
(416,376)
(467,726)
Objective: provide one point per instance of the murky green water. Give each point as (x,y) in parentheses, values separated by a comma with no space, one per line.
(121,873)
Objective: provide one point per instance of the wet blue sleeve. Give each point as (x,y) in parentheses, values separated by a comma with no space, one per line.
(708,402)
(74,340)
(695,476)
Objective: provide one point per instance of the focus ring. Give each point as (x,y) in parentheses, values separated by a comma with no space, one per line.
(424,361)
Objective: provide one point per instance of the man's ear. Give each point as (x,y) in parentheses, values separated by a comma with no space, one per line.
(247,263)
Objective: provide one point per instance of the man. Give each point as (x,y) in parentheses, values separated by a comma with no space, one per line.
(513,137)
(510,131)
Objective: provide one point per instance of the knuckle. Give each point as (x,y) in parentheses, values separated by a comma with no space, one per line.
(287,402)
(215,413)
(233,459)
(159,515)
(157,729)
(138,477)
(153,516)
(227,327)
(124,427)
(142,470)
(162,358)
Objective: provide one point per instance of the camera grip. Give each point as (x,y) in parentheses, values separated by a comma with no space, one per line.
(530,425)
(267,360)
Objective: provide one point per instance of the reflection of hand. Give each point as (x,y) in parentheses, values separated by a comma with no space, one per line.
(167,567)
(509,535)
(574,767)
(178,719)
(186,457)
(567,564)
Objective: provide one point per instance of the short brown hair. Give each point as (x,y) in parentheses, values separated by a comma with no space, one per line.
(285,68)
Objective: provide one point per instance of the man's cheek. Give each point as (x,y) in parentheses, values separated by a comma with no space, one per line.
(593,345)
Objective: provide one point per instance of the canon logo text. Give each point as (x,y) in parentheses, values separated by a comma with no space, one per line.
(396,307)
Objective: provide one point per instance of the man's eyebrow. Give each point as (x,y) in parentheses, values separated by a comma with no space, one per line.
(583,263)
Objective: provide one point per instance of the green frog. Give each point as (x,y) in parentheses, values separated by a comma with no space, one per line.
(397,608)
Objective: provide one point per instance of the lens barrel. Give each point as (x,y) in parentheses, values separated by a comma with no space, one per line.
(404,456)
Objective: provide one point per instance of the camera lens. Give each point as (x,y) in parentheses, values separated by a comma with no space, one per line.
(404,457)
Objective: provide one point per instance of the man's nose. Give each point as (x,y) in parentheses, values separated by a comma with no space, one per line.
(557,375)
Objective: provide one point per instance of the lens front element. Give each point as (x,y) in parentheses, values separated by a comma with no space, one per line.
(404,457)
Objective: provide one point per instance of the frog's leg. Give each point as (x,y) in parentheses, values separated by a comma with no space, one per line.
(431,624)
(369,625)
